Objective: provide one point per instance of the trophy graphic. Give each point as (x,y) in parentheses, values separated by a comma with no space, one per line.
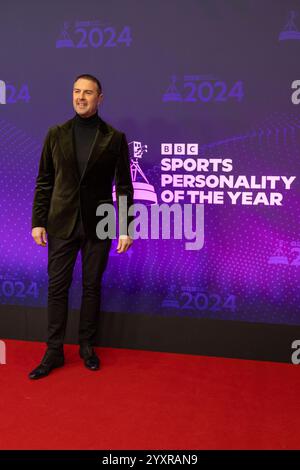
(290,30)
(172,94)
(64,39)
(279,257)
(143,191)
(170,300)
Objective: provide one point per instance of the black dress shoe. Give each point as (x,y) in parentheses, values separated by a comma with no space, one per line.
(51,360)
(90,358)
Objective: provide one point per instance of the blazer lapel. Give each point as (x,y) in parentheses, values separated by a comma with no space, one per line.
(101,141)
(66,140)
(67,145)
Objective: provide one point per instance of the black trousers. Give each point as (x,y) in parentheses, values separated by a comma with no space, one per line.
(62,256)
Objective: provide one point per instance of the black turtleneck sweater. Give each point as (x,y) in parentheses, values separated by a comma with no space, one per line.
(84,135)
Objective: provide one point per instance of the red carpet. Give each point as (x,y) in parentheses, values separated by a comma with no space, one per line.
(148,400)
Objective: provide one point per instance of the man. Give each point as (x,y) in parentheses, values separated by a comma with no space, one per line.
(79,161)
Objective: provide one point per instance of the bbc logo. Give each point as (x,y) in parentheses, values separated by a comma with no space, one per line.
(179,149)
(2,92)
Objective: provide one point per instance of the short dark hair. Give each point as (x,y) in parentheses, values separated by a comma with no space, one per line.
(92,78)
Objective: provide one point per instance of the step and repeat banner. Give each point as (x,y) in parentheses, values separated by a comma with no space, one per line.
(208,94)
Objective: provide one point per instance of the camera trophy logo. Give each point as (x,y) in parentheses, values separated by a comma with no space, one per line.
(144,192)
(290,30)
(64,39)
(2,92)
(279,255)
(170,300)
(172,93)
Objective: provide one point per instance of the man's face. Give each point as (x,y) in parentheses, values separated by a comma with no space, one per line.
(86,97)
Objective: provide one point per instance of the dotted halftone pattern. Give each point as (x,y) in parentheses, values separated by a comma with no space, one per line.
(229,278)
(22,268)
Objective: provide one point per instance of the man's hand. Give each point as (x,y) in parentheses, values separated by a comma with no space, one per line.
(124,243)
(40,235)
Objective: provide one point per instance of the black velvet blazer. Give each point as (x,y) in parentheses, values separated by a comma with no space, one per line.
(60,193)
